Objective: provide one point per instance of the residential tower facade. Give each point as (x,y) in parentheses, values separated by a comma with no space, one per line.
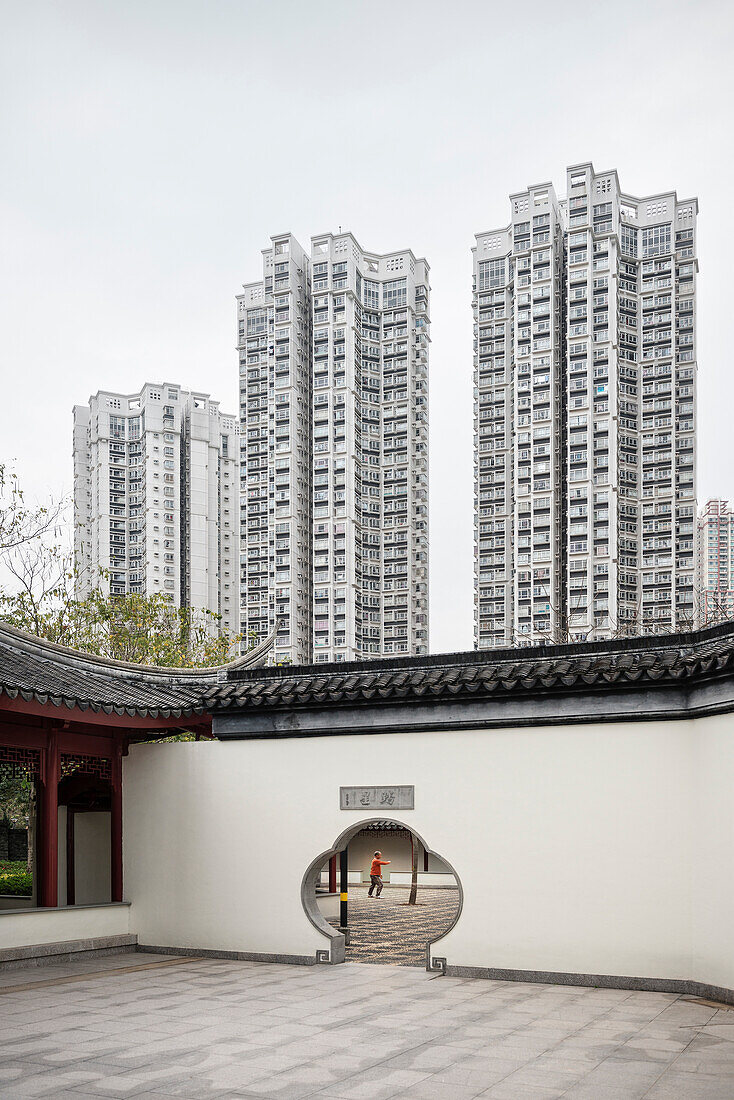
(274,347)
(334,451)
(371,333)
(715,562)
(584,414)
(155,498)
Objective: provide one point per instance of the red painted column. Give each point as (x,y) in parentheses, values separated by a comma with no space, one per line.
(116,827)
(332,875)
(48,887)
(70,873)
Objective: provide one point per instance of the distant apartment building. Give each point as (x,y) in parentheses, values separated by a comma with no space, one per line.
(274,342)
(370,445)
(584,414)
(155,498)
(715,562)
(334,451)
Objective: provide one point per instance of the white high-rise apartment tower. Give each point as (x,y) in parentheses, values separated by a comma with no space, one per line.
(585,379)
(274,342)
(155,498)
(715,562)
(370,444)
(356,399)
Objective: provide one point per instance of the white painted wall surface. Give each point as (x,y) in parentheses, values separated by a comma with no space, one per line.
(60,925)
(713,855)
(580,849)
(61,876)
(395,847)
(92,858)
(329,906)
(425,878)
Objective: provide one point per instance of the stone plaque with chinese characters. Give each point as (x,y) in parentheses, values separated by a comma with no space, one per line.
(377,798)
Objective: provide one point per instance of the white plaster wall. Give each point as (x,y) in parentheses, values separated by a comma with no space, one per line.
(13,901)
(57,925)
(329,906)
(395,848)
(353,877)
(61,876)
(713,854)
(92,858)
(575,845)
(425,878)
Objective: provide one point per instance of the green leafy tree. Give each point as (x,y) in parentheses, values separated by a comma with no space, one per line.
(39,584)
(18,808)
(14,795)
(146,630)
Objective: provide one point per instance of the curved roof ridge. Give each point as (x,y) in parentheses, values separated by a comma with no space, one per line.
(76,658)
(581,666)
(547,652)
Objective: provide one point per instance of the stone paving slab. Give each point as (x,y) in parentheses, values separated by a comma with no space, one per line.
(205,1028)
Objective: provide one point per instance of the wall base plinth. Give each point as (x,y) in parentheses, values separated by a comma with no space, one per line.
(599,981)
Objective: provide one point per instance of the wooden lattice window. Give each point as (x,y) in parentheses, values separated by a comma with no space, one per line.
(17,763)
(73,763)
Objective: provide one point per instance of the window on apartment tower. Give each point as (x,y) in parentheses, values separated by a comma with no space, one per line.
(491,274)
(656,241)
(371,294)
(256,321)
(394,294)
(628,241)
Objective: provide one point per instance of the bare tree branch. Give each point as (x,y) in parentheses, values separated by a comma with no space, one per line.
(21,523)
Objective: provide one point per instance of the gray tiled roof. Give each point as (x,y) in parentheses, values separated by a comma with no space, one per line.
(618,664)
(33,669)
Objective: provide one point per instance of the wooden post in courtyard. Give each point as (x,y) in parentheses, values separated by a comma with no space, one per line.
(332,875)
(70,870)
(344,892)
(413,870)
(48,893)
(116,827)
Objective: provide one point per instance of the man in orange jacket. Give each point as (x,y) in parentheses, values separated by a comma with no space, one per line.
(376,874)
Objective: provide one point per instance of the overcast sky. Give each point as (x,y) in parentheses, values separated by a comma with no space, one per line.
(150,149)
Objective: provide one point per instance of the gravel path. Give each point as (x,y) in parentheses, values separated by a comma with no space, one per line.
(388,930)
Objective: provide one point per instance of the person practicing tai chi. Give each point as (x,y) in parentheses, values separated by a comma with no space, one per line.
(376,875)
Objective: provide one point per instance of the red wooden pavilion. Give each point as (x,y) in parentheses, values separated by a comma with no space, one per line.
(67,719)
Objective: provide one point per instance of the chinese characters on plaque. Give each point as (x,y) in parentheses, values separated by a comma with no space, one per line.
(377,798)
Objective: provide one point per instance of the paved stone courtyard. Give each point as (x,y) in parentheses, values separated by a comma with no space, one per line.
(387,929)
(152,1026)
